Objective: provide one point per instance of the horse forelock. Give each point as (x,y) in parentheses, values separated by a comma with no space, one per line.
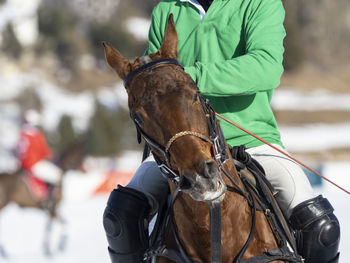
(163,80)
(144,60)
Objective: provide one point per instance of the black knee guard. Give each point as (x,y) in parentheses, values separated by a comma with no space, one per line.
(317,230)
(124,221)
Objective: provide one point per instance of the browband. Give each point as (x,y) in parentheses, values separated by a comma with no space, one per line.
(149,65)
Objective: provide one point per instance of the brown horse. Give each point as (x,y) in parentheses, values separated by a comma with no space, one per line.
(163,102)
(15,189)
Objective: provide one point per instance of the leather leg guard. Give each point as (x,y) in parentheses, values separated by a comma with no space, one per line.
(317,230)
(125,223)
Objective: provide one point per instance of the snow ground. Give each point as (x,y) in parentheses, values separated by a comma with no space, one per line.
(22,229)
(289,99)
(316,137)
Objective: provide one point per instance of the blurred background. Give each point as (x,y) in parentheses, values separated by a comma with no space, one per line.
(52,60)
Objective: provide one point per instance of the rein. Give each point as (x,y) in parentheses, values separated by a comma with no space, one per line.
(289,156)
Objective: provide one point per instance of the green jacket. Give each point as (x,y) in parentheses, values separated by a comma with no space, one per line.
(235,57)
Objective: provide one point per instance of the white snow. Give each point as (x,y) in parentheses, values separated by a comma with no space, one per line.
(59,102)
(287,99)
(13,84)
(23,230)
(56,101)
(316,137)
(138,27)
(23,16)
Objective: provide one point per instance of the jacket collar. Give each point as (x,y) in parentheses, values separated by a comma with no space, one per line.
(198,6)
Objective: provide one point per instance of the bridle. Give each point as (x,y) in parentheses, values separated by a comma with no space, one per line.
(216,137)
(217,140)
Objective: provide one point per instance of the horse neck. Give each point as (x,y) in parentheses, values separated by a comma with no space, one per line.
(193,223)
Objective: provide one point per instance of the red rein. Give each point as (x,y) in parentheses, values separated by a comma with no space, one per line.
(269,144)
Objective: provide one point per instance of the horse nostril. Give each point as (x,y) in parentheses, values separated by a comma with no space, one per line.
(185,183)
(210,169)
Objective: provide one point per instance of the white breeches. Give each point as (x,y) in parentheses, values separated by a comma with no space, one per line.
(47,172)
(286,176)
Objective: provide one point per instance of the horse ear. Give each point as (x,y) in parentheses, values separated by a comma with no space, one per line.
(169,45)
(120,64)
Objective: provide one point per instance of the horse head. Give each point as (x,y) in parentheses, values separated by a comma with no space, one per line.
(165,106)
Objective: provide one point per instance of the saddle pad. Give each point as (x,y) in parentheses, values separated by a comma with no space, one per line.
(37,187)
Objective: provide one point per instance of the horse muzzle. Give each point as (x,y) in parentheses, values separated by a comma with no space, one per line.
(207,185)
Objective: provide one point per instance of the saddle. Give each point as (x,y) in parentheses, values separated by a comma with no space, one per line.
(252,175)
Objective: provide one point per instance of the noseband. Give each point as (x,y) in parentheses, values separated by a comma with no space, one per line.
(216,137)
(183,133)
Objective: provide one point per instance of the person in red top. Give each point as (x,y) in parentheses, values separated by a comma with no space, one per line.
(34,153)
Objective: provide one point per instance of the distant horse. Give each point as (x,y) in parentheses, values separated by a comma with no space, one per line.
(14,188)
(181,129)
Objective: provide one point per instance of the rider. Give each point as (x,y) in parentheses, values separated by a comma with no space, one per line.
(34,154)
(233,50)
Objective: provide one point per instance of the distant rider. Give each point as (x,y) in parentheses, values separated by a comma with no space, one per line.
(34,153)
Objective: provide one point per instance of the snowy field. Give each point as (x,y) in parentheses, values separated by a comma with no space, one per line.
(22,229)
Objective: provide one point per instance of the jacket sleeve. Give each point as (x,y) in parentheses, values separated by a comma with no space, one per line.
(260,68)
